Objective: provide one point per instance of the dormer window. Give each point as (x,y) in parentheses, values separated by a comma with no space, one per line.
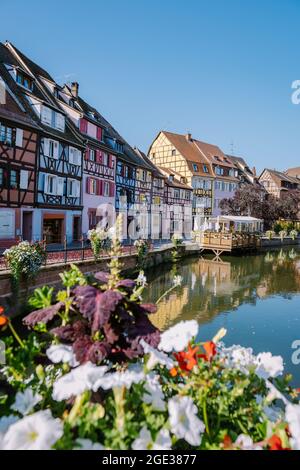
(24,80)
(56,93)
(72,103)
(195,167)
(205,169)
(171,178)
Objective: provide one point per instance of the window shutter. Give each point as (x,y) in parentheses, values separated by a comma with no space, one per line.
(111,161)
(99,133)
(72,155)
(23,179)
(87,188)
(77,188)
(46,147)
(46,115)
(87,154)
(60,186)
(111,189)
(46,185)
(83,126)
(99,187)
(19,137)
(59,122)
(98,156)
(55,149)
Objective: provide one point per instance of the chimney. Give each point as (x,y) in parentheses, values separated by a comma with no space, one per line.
(74,89)
(188,137)
(254,171)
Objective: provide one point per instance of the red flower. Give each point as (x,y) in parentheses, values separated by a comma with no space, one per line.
(210,351)
(1,310)
(227,442)
(275,443)
(186,360)
(3,320)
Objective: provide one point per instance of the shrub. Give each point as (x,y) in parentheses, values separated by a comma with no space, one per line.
(282,234)
(142,247)
(293,234)
(100,240)
(25,260)
(270,234)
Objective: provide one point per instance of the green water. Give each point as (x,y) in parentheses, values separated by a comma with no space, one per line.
(256,298)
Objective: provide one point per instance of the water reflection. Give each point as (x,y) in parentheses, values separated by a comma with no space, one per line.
(212,287)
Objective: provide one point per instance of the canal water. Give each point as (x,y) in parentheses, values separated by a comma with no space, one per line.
(255,297)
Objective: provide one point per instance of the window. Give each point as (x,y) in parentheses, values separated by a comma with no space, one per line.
(24,80)
(74,156)
(14,180)
(106,188)
(177,193)
(53,119)
(105,158)
(93,186)
(195,167)
(53,149)
(173,152)
(92,155)
(205,169)
(73,188)
(219,171)
(59,122)
(1,177)
(153,154)
(6,135)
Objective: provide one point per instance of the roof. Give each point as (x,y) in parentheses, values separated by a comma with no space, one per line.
(295,172)
(200,153)
(35,68)
(235,218)
(156,171)
(279,176)
(176,182)
(8,56)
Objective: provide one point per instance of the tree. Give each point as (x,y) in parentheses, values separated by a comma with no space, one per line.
(254,201)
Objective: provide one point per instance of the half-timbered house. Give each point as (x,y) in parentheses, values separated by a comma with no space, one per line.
(18,153)
(58,198)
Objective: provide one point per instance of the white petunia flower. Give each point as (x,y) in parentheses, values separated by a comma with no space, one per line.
(238,357)
(177,281)
(118,379)
(26,401)
(153,394)
(5,423)
(178,337)
(156,357)
(184,421)
(87,444)
(38,431)
(292,416)
(268,365)
(77,381)
(245,442)
(145,442)
(141,280)
(62,353)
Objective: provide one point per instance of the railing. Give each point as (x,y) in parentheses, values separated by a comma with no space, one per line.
(227,241)
(65,254)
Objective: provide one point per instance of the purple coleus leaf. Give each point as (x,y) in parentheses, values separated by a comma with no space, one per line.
(102,277)
(126,283)
(149,308)
(95,305)
(70,332)
(85,349)
(144,329)
(43,315)
(110,333)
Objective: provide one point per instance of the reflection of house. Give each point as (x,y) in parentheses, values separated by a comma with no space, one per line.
(170,310)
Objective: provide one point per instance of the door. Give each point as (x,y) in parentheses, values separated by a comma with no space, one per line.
(7,224)
(76,228)
(27,226)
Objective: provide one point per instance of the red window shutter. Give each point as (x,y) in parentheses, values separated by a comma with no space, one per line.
(83,125)
(87,154)
(99,187)
(99,156)
(99,133)
(111,189)
(111,161)
(88,185)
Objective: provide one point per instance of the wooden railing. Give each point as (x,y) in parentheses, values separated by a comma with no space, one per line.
(227,241)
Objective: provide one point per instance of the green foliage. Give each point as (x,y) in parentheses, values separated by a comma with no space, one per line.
(142,247)
(41,297)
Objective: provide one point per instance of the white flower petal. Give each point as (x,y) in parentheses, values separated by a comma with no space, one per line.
(62,353)
(26,401)
(178,337)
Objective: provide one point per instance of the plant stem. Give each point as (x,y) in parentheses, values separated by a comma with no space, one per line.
(205,418)
(165,294)
(15,334)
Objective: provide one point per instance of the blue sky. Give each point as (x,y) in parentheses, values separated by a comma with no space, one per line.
(220,69)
